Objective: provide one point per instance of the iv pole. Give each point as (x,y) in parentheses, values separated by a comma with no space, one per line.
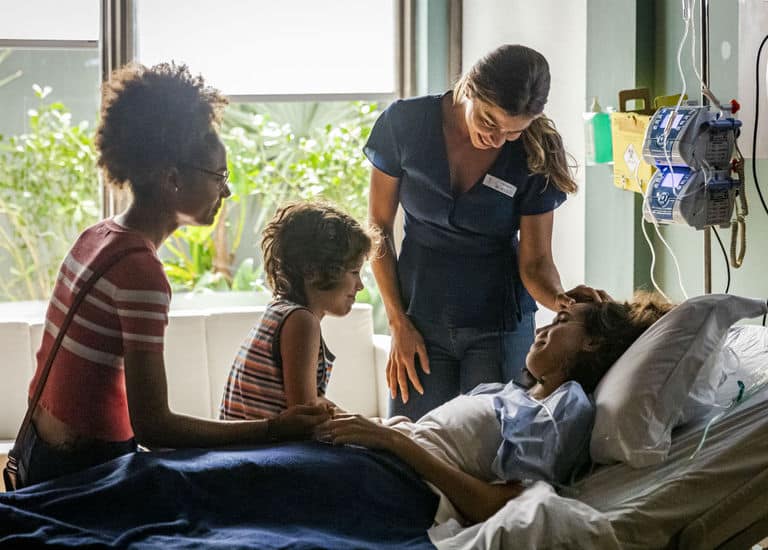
(704,101)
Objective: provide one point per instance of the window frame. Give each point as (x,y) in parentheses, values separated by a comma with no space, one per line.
(49,44)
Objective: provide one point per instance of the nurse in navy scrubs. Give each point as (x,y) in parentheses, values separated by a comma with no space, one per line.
(478,171)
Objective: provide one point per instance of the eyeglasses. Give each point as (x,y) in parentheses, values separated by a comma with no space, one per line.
(222,176)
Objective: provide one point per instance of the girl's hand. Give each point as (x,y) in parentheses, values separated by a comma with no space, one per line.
(297,422)
(407,344)
(356,430)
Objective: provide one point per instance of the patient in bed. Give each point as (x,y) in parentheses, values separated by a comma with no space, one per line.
(480,449)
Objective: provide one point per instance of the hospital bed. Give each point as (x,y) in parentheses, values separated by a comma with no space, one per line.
(715,498)
(354,498)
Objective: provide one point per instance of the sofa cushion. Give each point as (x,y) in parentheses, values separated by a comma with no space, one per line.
(200,347)
(186,364)
(225,332)
(18,365)
(353,381)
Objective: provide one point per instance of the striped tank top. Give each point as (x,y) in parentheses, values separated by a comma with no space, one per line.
(255,386)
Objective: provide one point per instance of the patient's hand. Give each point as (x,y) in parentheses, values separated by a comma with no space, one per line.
(356,430)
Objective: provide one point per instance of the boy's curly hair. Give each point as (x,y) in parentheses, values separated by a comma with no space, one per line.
(153,119)
(613,327)
(311,243)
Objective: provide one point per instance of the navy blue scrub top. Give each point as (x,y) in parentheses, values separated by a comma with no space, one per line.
(458,263)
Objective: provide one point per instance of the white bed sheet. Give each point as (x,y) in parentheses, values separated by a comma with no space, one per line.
(538,519)
(621,507)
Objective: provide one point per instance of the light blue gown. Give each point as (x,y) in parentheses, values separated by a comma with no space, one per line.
(544,439)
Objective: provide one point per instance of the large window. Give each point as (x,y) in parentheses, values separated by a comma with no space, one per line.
(49,82)
(50,20)
(306,80)
(263,49)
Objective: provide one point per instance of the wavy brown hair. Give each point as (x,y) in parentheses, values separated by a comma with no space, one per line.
(153,119)
(516,79)
(311,243)
(612,328)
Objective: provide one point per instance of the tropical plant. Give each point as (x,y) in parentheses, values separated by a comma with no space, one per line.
(48,193)
(269,163)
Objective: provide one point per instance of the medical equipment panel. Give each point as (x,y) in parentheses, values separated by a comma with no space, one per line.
(691,148)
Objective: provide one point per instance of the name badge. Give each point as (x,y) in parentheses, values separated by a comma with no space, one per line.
(499,185)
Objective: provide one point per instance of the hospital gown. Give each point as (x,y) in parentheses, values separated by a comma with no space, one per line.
(544,439)
(500,433)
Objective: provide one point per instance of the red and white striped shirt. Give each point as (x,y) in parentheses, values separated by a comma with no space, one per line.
(127,309)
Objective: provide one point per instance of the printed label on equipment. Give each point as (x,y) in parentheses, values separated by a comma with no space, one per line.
(631,158)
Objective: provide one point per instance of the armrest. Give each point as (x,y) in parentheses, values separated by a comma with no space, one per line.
(381,345)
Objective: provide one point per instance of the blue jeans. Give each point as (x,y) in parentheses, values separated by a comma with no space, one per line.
(462,358)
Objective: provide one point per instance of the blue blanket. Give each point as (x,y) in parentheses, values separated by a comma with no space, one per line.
(300,495)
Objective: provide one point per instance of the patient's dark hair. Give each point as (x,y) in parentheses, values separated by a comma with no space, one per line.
(153,119)
(311,243)
(612,328)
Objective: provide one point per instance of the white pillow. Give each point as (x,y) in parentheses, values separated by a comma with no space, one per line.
(647,392)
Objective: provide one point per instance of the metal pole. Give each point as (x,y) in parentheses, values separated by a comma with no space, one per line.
(704,101)
(406,48)
(455,21)
(117,49)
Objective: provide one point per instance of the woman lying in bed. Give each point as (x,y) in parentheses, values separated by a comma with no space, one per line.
(325,496)
(478,449)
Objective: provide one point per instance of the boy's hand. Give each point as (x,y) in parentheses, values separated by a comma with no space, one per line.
(297,422)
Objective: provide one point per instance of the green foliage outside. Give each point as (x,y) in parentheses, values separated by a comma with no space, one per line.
(48,194)
(271,162)
(49,191)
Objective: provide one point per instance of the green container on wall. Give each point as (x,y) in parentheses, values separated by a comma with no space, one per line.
(599,147)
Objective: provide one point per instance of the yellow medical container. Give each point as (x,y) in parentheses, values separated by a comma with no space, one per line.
(628,128)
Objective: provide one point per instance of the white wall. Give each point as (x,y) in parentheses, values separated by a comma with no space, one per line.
(753,24)
(560,34)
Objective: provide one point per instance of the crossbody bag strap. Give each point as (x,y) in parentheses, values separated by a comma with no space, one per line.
(95,276)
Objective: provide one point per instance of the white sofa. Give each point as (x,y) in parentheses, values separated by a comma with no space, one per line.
(200,346)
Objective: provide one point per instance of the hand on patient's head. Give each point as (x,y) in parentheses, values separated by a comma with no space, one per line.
(563,301)
(584,293)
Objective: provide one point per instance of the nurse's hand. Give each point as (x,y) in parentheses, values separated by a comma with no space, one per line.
(407,344)
(582,293)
